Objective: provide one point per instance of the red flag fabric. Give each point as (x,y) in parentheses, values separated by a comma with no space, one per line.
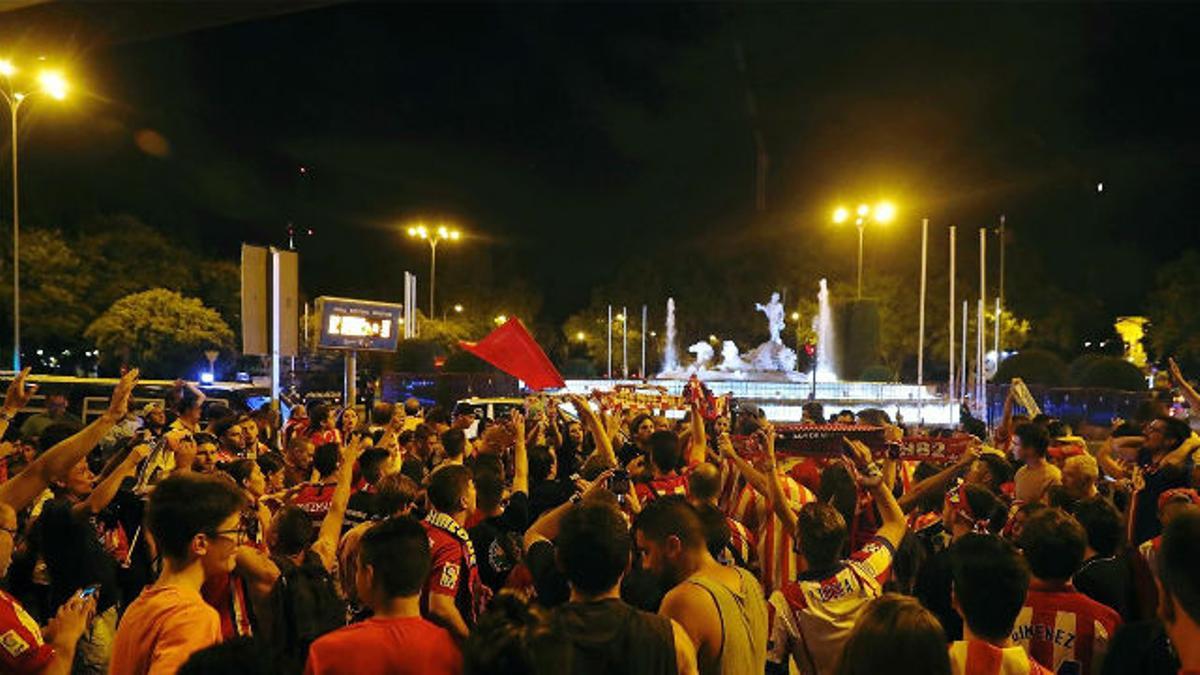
(512,349)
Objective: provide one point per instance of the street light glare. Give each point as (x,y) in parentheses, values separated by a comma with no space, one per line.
(863,209)
(53,83)
(7,69)
(884,212)
(454,235)
(840,215)
(580,336)
(458,308)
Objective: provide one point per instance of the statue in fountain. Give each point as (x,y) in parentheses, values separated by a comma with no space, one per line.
(774,312)
(731,358)
(704,354)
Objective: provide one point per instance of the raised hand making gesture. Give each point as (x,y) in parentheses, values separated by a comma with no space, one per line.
(18,395)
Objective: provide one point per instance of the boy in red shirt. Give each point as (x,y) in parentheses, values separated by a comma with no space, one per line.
(1059,625)
(454,595)
(393,565)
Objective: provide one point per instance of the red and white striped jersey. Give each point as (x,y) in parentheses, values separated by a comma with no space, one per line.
(741,540)
(977,657)
(672,484)
(1059,625)
(776,546)
(811,618)
(731,483)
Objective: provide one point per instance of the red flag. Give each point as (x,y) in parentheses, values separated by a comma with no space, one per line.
(512,349)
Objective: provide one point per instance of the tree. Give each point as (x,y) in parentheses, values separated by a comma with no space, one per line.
(1111,372)
(160,331)
(1035,366)
(54,281)
(1174,309)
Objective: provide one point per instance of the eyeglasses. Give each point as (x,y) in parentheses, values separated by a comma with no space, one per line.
(238,535)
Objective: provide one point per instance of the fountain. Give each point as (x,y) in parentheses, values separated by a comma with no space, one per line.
(823,327)
(767,377)
(670,362)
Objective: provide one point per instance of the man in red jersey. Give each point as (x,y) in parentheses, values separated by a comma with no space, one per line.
(454,593)
(812,615)
(393,565)
(1060,627)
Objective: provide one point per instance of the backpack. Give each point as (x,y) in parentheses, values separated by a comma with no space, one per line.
(304,606)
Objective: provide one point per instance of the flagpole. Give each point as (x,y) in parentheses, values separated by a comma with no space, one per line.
(643,369)
(624,343)
(609,371)
(921,323)
(981,333)
(962,369)
(951,350)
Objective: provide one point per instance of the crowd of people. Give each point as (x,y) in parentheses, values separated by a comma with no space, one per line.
(570,538)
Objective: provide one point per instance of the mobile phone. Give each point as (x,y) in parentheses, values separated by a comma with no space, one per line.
(89,591)
(618,483)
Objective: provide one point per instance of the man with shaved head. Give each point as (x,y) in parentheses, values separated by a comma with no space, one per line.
(729,540)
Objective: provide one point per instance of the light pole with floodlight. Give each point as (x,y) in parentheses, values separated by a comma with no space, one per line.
(54,85)
(882,214)
(434,237)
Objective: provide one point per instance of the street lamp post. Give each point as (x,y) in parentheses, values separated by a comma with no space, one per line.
(54,85)
(434,237)
(882,213)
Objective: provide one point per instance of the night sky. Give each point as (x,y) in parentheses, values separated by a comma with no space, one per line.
(571,139)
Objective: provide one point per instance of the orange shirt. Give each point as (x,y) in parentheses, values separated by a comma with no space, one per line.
(399,646)
(161,629)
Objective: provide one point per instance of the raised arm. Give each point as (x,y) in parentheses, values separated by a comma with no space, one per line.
(939,482)
(331,526)
(893,524)
(16,398)
(520,455)
(22,489)
(698,443)
(102,495)
(779,503)
(592,422)
(753,476)
(1189,392)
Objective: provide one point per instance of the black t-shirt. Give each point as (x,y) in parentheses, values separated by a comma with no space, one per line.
(547,495)
(609,636)
(1142,647)
(497,541)
(1146,524)
(1108,581)
(361,508)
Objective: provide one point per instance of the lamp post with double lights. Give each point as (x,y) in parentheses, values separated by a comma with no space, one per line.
(882,213)
(53,84)
(434,236)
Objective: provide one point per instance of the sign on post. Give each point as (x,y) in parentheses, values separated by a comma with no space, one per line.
(359,325)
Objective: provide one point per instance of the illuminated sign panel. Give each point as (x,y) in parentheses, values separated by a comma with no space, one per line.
(359,324)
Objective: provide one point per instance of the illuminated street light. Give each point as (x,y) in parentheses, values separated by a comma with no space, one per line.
(581,336)
(420,231)
(53,84)
(458,309)
(500,318)
(883,213)
(795,316)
